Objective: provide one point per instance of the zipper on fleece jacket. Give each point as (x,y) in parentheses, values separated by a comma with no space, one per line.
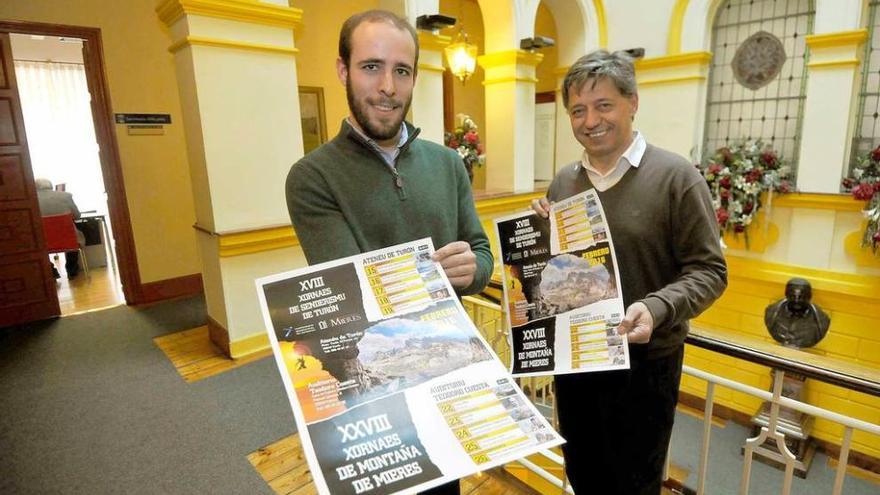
(395,175)
(398,182)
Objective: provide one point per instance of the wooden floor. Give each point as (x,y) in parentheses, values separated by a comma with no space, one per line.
(195,357)
(283,466)
(81,294)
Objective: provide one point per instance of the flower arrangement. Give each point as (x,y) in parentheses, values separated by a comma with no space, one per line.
(466,141)
(864,184)
(737,175)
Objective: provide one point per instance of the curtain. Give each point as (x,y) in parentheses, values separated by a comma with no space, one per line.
(61,134)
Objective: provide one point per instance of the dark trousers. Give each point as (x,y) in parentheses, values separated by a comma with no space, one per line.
(450,488)
(618,424)
(71,262)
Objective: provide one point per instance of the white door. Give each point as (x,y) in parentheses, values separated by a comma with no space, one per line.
(545,141)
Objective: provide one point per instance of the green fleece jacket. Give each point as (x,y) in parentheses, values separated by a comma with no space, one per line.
(345,200)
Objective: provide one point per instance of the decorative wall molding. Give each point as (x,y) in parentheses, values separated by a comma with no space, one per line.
(507,203)
(676,25)
(866,287)
(836,40)
(670,80)
(251,11)
(834,64)
(678,60)
(431,41)
(837,202)
(863,256)
(499,80)
(257,240)
(249,345)
(510,57)
(233,44)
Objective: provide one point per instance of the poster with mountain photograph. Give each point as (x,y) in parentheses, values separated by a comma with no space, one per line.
(392,387)
(561,290)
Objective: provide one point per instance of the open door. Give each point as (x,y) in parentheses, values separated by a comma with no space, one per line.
(27,287)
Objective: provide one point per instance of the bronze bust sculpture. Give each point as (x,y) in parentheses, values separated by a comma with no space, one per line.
(795,321)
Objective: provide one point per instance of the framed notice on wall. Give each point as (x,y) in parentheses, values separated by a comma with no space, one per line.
(311,113)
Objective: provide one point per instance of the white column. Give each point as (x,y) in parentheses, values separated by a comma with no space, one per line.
(672,92)
(568,149)
(427,105)
(828,109)
(510,119)
(237,79)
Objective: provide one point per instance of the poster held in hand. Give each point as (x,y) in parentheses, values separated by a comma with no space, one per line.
(392,387)
(562,290)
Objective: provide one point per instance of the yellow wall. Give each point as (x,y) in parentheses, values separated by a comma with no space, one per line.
(852,337)
(546,26)
(318,41)
(141,79)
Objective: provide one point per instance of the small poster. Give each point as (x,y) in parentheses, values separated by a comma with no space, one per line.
(393,388)
(561,290)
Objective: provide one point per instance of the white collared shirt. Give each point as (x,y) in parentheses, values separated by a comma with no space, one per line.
(630,158)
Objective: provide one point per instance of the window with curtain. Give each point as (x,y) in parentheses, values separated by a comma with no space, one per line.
(867,135)
(770,110)
(60,131)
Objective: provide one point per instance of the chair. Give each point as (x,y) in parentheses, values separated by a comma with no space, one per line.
(61,237)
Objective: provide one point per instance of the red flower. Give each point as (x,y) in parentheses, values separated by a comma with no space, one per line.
(784,187)
(724,182)
(748,207)
(875,155)
(848,183)
(480,149)
(863,191)
(721,215)
(876,237)
(714,168)
(471,137)
(739,228)
(754,175)
(726,155)
(453,143)
(768,158)
(724,194)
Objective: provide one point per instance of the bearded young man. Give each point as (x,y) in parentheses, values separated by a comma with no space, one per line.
(662,224)
(376,184)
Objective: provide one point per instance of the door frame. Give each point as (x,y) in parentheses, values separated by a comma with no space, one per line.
(105,134)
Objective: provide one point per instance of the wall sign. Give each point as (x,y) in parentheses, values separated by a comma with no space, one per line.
(143,118)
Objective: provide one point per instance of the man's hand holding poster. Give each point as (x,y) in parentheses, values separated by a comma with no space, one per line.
(561,290)
(393,388)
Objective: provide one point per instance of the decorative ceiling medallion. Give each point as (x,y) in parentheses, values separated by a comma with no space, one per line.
(758,60)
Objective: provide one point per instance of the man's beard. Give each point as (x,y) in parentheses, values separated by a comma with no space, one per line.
(375,131)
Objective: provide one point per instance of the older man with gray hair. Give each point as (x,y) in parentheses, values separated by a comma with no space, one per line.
(662,223)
